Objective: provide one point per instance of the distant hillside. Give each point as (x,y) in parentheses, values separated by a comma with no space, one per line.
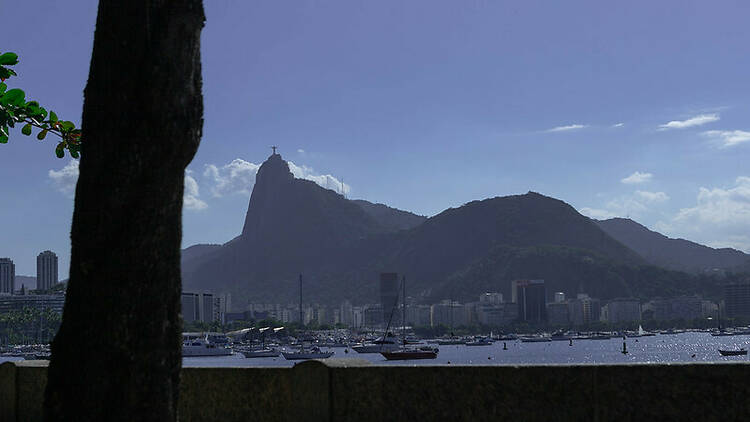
(340,246)
(675,254)
(571,271)
(390,218)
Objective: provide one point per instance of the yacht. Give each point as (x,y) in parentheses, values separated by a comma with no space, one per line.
(410,353)
(194,347)
(480,341)
(311,353)
(387,343)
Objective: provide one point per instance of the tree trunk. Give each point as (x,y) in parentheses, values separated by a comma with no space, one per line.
(117,355)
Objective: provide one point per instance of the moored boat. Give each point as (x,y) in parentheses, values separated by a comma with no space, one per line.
(410,353)
(740,352)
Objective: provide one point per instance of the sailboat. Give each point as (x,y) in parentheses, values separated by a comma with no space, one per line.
(262,351)
(312,353)
(408,353)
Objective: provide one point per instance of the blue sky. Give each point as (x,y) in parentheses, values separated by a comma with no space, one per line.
(633,109)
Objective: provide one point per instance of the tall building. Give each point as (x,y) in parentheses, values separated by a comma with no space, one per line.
(531,297)
(191,311)
(559,297)
(737,299)
(388,294)
(7,276)
(46,270)
(623,310)
(491,297)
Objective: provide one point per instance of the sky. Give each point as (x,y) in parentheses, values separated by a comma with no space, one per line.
(631,109)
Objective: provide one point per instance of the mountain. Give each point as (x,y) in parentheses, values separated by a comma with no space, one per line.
(391,218)
(675,254)
(294,226)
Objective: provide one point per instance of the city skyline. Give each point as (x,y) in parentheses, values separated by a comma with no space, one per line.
(617,113)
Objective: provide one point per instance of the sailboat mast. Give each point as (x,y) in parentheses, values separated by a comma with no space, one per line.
(403,310)
(301,317)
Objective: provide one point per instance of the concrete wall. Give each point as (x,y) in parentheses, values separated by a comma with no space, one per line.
(350,389)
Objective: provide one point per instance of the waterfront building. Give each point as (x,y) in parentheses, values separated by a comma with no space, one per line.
(557,313)
(623,310)
(418,315)
(496,314)
(737,299)
(448,313)
(346,313)
(46,270)
(531,297)
(389,293)
(201,307)
(491,298)
(709,309)
(373,316)
(559,297)
(53,302)
(7,276)
(683,307)
(583,309)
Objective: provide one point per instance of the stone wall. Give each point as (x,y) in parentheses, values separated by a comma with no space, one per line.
(351,389)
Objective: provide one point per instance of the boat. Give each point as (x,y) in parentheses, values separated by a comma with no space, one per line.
(407,352)
(740,352)
(261,352)
(507,337)
(535,339)
(450,341)
(302,353)
(199,347)
(311,353)
(411,353)
(560,336)
(480,341)
(387,343)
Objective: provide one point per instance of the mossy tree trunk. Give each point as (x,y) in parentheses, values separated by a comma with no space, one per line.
(117,355)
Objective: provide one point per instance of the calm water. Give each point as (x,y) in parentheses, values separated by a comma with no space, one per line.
(685,347)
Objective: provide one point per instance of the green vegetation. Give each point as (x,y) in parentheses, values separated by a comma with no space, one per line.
(29,326)
(15,110)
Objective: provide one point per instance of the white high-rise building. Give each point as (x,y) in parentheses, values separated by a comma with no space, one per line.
(46,270)
(7,276)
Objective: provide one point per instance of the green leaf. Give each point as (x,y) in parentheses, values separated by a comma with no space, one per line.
(26,130)
(74,153)
(14,97)
(3,87)
(41,134)
(59,151)
(9,58)
(3,139)
(52,116)
(68,125)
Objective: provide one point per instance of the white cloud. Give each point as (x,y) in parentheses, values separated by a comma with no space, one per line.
(728,138)
(618,125)
(652,196)
(597,213)
(720,218)
(65,179)
(324,180)
(566,128)
(637,178)
(301,151)
(693,121)
(237,177)
(190,198)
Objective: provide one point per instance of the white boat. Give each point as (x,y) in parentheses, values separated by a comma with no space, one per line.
(480,341)
(203,347)
(388,343)
(312,353)
(262,352)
